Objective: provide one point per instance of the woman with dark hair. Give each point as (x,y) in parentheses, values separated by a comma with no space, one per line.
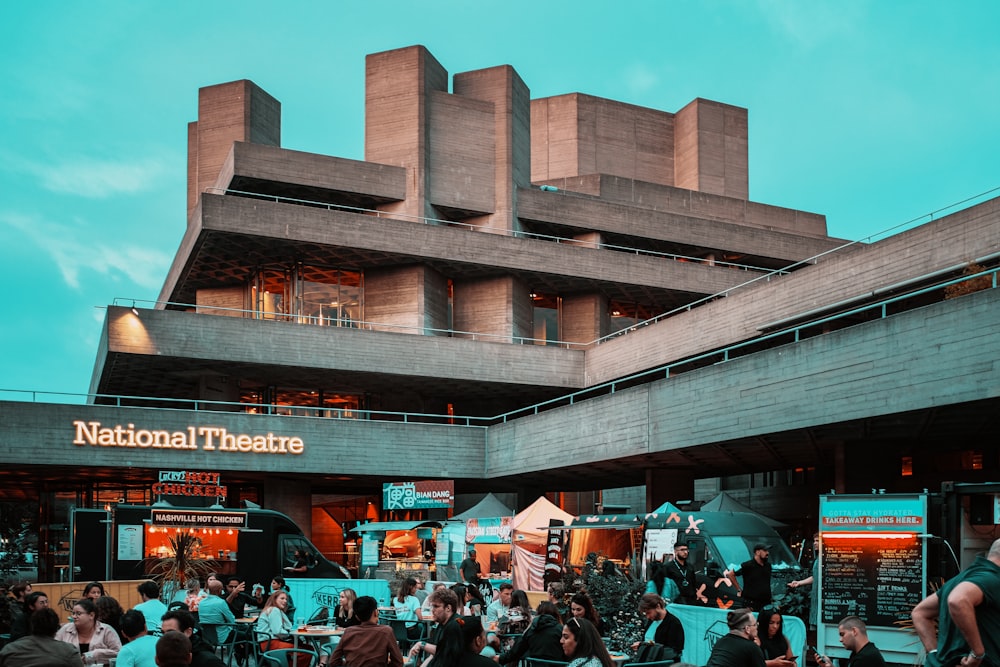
(109,612)
(540,640)
(462,592)
(583,645)
(581,606)
(518,615)
(773,643)
(407,607)
(93,590)
(474,638)
(96,641)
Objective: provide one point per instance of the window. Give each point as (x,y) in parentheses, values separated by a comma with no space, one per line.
(307,294)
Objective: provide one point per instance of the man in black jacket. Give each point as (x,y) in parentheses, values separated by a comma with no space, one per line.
(202,653)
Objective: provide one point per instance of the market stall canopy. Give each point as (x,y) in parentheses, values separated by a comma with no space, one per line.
(726,503)
(490,506)
(530,532)
(621,521)
(383,526)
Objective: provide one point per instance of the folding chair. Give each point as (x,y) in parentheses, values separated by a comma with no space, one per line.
(289,657)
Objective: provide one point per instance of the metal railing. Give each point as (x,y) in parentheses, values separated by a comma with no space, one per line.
(406,217)
(781,336)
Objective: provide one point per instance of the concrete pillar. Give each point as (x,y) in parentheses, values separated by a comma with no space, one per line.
(710,149)
(227,112)
(584,318)
(398,87)
(413,298)
(291,497)
(511,100)
(499,307)
(664,485)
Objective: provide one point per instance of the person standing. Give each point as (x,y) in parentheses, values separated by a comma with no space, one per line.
(470,568)
(854,637)
(756,573)
(40,648)
(967,615)
(739,647)
(682,574)
(812,579)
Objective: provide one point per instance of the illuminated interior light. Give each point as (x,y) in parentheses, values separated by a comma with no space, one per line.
(230,531)
(869,536)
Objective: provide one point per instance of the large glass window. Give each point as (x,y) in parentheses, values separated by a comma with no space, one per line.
(625,315)
(308,294)
(547,318)
(303,402)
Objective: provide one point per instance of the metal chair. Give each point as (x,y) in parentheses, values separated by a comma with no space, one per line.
(542,662)
(238,644)
(402,633)
(289,657)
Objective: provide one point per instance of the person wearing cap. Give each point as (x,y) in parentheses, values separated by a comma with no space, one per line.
(756,573)
(682,574)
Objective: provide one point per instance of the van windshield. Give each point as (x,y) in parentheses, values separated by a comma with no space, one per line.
(736,549)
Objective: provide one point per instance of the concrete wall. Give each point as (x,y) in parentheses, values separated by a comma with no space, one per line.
(509,99)
(38,434)
(228,112)
(711,149)
(414,297)
(931,356)
(429,242)
(225,301)
(398,86)
(854,272)
(226,341)
(498,307)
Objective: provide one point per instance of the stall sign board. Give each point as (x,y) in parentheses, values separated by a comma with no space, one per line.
(182,518)
(494,530)
(369,551)
(872,558)
(432,494)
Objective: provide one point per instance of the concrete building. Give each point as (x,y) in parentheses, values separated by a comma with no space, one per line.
(525,296)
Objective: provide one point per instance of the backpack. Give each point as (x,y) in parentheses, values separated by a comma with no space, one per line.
(651,652)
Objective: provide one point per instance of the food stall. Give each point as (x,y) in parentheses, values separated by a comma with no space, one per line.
(486,526)
(387,546)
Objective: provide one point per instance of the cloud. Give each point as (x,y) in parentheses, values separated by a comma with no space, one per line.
(811,25)
(98,179)
(639,79)
(76,250)
(93,178)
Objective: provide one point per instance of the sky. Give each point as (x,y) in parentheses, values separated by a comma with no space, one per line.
(875,113)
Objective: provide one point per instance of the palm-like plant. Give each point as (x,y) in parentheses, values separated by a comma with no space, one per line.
(172,572)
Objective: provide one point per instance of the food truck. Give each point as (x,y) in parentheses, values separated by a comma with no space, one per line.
(126,542)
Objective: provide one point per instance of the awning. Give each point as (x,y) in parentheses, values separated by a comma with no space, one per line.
(619,521)
(383,526)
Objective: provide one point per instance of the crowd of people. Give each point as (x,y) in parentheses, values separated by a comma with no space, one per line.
(957,625)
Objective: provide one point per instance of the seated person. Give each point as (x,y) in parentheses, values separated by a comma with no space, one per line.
(367,644)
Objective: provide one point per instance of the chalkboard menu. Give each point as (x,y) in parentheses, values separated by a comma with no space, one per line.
(879,580)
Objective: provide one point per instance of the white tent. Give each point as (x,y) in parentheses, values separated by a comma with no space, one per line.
(529,537)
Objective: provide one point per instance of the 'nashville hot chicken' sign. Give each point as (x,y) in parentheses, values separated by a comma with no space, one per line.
(207,438)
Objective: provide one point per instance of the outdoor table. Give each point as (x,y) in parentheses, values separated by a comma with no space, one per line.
(619,658)
(313,632)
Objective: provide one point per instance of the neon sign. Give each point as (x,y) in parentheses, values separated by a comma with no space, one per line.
(207,438)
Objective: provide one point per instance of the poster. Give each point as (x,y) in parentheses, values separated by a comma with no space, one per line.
(130,542)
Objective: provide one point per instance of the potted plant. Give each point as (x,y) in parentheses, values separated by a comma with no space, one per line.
(172,571)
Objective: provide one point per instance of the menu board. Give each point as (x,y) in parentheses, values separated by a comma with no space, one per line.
(879,580)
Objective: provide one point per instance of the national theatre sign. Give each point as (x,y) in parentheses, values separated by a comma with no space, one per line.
(207,438)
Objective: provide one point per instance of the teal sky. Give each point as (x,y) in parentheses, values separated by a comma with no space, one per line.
(872,113)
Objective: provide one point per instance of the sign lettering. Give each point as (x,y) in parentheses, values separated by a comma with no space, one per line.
(207,438)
